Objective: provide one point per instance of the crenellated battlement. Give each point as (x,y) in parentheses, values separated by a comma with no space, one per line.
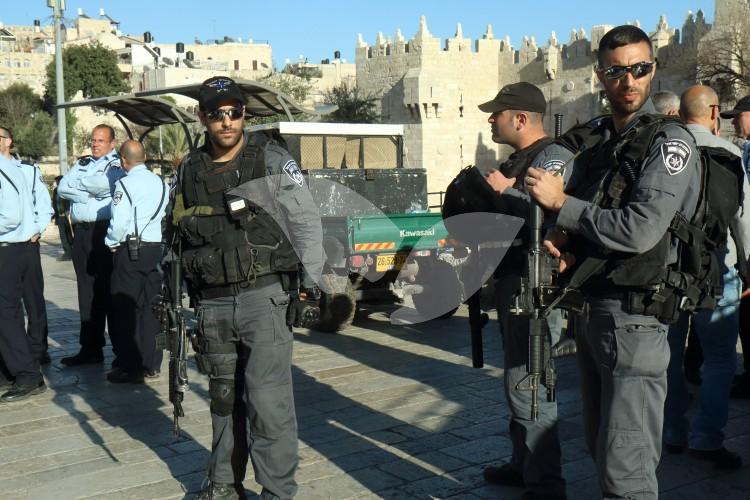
(424,43)
(433,85)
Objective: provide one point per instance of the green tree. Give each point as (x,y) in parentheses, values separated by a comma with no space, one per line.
(298,88)
(174,144)
(91,69)
(22,111)
(35,140)
(353,107)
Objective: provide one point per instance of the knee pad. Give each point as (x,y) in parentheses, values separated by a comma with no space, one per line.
(221,391)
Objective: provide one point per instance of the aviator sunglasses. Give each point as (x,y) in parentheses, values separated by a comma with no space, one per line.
(218,115)
(638,70)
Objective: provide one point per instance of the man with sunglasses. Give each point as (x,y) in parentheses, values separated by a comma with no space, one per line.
(715,329)
(89,185)
(240,268)
(33,280)
(635,173)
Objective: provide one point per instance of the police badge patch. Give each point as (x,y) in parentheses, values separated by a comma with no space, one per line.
(116,197)
(675,153)
(553,165)
(292,170)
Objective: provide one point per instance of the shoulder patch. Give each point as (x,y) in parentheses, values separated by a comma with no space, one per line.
(85,160)
(292,170)
(675,154)
(553,165)
(116,197)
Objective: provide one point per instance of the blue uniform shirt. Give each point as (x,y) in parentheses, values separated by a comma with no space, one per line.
(89,185)
(39,195)
(136,199)
(17,221)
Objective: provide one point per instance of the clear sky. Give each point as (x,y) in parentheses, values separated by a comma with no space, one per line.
(315,29)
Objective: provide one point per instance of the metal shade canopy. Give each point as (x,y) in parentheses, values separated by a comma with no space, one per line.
(261,100)
(147,112)
(143,111)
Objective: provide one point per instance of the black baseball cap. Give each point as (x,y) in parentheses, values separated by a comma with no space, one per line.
(217,89)
(742,105)
(522,96)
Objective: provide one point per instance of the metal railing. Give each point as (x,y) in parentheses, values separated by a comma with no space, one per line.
(431,195)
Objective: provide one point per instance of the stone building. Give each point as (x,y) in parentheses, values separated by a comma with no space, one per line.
(324,76)
(433,86)
(25,52)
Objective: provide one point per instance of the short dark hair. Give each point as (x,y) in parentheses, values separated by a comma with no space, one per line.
(620,36)
(10,132)
(105,126)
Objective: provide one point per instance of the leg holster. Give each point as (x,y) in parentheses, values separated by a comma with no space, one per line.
(210,364)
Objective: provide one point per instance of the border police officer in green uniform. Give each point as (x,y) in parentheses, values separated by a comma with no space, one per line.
(239,265)
(636,177)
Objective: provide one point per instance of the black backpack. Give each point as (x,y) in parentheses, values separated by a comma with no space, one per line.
(720,197)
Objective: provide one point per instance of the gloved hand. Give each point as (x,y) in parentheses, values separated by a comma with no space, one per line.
(304,308)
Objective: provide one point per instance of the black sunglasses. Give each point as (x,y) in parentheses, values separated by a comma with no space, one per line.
(218,115)
(638,70)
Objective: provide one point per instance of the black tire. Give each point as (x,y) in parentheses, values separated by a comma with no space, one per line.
(337,309)
(441,289)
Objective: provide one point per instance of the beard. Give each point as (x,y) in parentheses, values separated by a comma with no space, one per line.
(226,141)
(620,106)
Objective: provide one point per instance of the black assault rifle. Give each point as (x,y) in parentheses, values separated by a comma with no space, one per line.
(535,297)
(169,312)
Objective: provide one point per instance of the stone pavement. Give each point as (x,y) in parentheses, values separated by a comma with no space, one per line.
(384,412)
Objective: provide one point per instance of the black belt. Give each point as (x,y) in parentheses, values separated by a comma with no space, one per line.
(150,244)
(214,292)
(90,224)
(13,243)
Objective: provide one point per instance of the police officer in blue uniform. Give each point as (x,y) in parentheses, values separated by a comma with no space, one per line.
(33,282)
(134,237)
(20,376)
(636,176)
(244,343)
(517,119)
(89,185)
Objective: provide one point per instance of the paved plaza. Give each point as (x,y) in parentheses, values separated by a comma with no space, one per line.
(384,411)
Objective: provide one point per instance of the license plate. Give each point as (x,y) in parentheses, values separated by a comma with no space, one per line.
(389,261)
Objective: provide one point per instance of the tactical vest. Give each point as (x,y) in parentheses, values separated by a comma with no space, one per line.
(519,162)
(222,246)
(606,172)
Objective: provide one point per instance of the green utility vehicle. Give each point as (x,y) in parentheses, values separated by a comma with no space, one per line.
(378,233)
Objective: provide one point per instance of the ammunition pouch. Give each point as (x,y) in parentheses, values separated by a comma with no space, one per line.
(211,266)
(238,208)
(221,391)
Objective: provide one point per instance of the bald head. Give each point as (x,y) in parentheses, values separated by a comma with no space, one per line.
(132,154)
(699,105)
